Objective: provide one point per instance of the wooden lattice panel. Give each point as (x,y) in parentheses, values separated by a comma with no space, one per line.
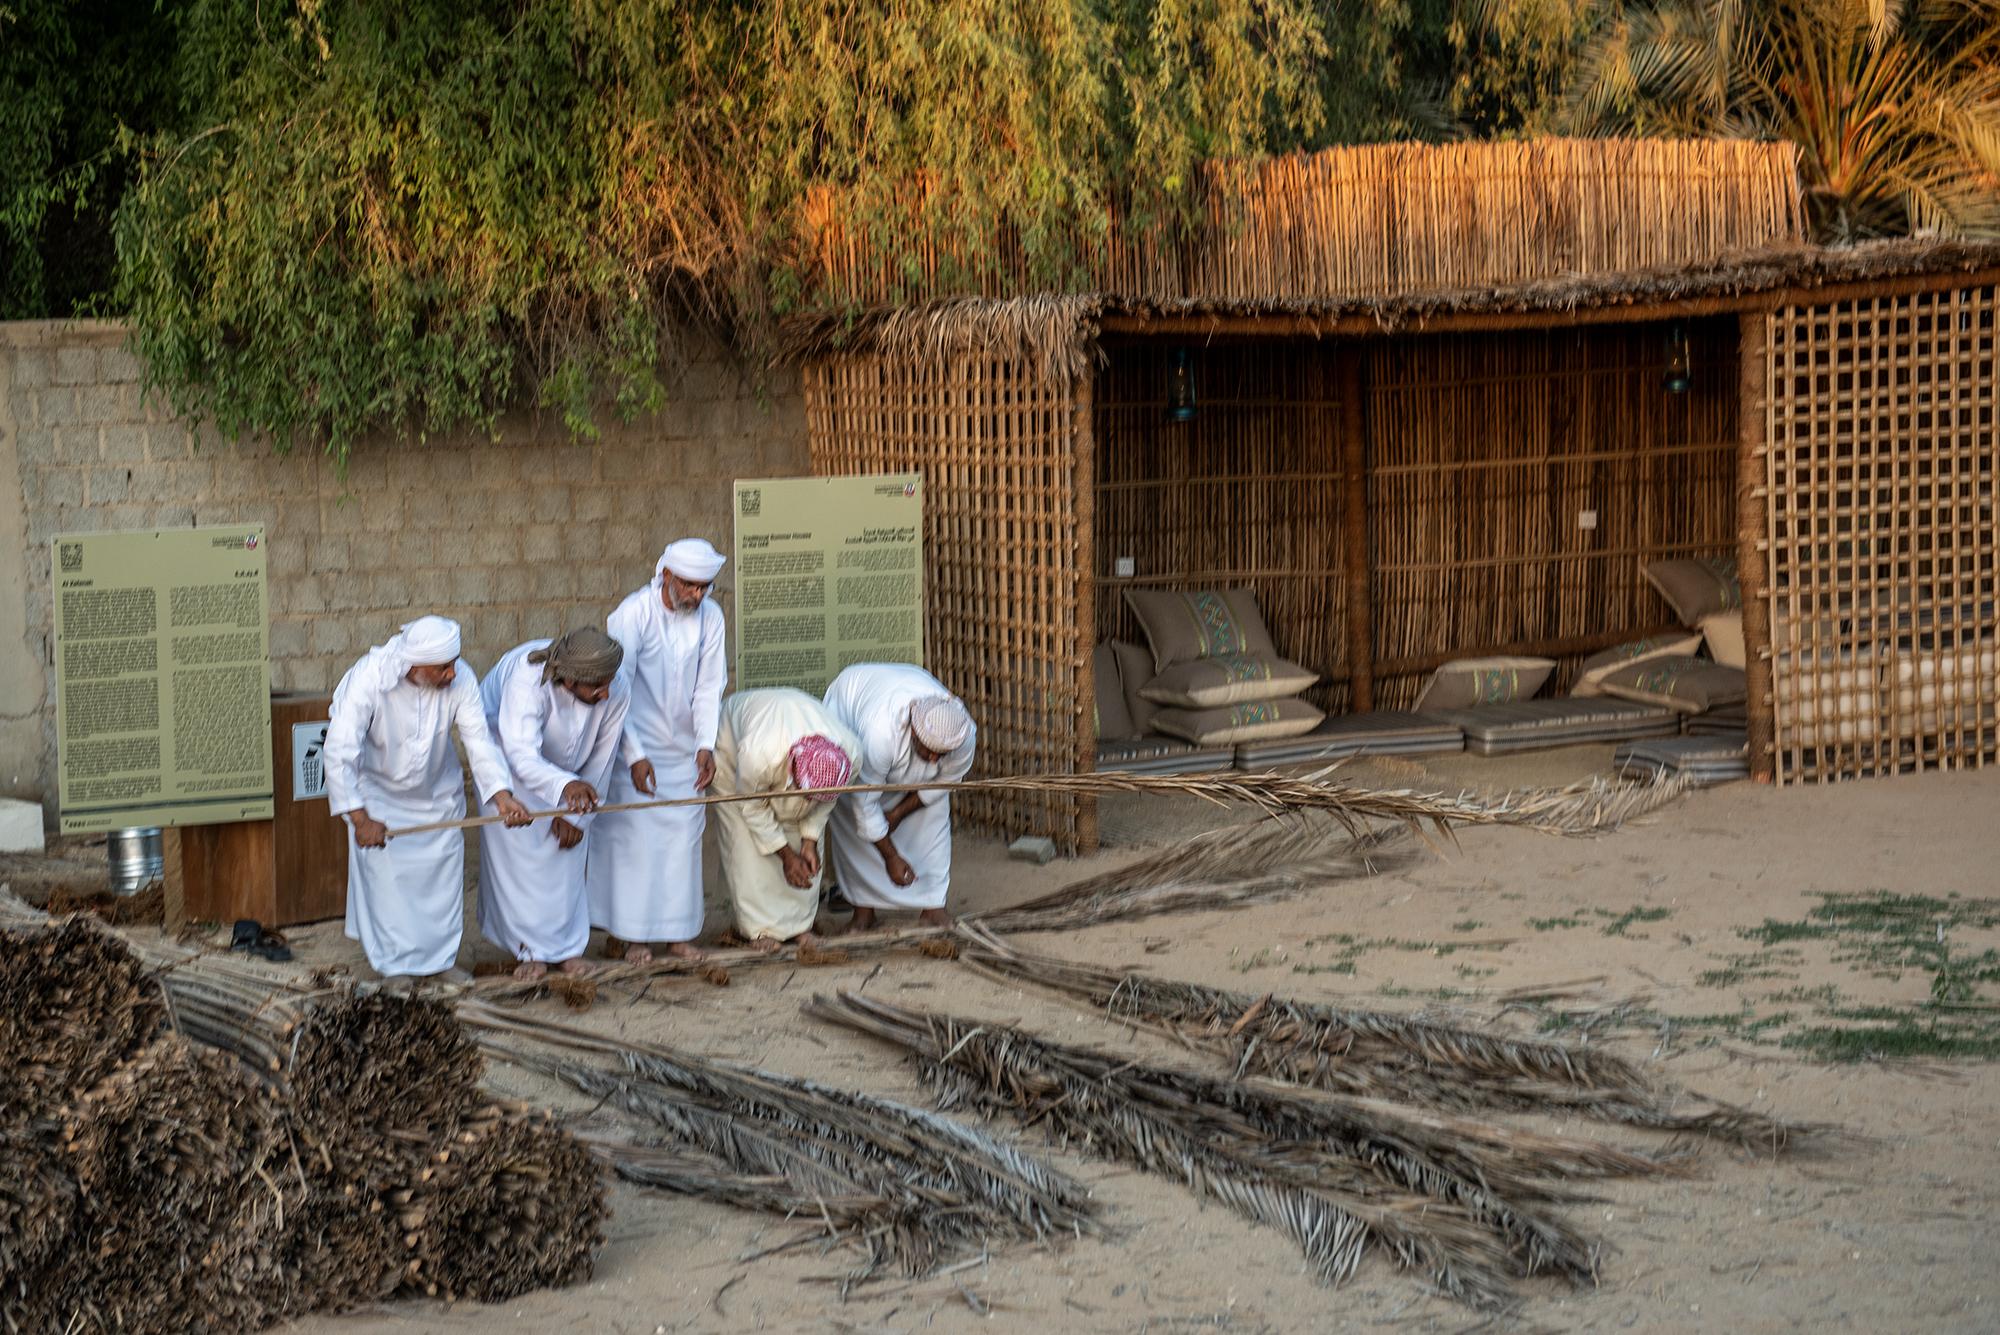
(1880,471)
(1006,460)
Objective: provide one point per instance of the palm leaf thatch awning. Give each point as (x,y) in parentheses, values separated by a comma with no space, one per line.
(1059,334)
(1372,239)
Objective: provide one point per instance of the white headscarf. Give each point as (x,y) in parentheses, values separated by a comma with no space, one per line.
(940,722)
(427,641)
(692,559)
(421,643)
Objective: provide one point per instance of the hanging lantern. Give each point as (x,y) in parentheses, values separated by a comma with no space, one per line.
(1680,374)
(1180,390)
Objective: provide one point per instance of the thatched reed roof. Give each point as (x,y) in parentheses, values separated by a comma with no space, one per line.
(1376,220)
(1061,333)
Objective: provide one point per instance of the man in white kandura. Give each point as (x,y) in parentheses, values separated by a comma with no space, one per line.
(645,866)
(772,740)
(893,850)
(390,763)
(560,718)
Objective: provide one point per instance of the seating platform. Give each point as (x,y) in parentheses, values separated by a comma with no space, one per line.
(1381,732)
(1161,755)
(1538,725)
(1709,760)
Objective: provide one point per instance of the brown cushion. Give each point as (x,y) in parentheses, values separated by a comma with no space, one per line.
(1212,623)
(1465,682)
(1207,682)
(1590,677)
(1689,685)
(1251,721)
(1724,633)
(1110,717)
(1135,669)
(1697,585)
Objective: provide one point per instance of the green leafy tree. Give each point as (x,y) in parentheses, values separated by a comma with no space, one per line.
(1894,104)
(74,76)
(408,217)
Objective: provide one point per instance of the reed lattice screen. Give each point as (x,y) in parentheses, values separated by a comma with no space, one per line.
(1880,467)
(1481,453)
(1006,458)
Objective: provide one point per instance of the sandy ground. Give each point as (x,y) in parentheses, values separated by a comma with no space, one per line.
(1897,1234)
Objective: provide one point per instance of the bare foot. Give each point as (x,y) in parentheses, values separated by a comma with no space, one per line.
(767,945)
(638,954)
(862,921)
(809,937)
(578,967)
(531,971)
(934,918)
(687,950)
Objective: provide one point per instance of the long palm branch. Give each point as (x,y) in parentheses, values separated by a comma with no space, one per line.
(1335,1174)
(1385,1054)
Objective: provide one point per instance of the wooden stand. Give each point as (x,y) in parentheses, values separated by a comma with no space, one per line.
(290,869)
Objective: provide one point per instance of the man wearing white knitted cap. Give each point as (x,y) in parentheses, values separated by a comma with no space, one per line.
(390,763)
(893,850)
(644,867)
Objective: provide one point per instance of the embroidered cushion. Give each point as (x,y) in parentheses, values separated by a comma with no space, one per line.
(1465,682)
(1590,678)
(1689,685)
(1697,586)
(1226,681)
(1251,721)
(1216,623)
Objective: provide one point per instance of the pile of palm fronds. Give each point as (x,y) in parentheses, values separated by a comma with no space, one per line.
(1384,1054)
(1470,1206)
(184,1186)
(74,1003)
(318,1150)
(510,1203)
(917,1189)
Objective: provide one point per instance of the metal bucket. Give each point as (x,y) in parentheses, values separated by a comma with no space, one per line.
(135,859)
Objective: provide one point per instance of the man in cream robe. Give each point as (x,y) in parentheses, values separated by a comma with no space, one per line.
(772,740)
(390,763)
(560,716)
(893,850)
(645,866)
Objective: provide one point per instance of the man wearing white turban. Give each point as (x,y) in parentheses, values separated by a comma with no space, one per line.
(893,850)
(644,867)
(389,762)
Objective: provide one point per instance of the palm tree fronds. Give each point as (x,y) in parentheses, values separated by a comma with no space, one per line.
(925,1188)
(1336,1174)
(1386,1054)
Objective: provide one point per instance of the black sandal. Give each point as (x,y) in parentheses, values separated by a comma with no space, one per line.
(250,936)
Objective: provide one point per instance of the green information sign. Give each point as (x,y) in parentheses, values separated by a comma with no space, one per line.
(829,572)
(163,678)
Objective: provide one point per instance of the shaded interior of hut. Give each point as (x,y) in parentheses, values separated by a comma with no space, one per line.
(1498,542)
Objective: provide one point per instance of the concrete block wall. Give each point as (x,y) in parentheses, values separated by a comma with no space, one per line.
(517,536)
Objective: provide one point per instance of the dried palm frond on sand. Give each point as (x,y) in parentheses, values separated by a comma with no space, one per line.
(1314,830)
(1338,1175)
(924,1188)
(1384,1054)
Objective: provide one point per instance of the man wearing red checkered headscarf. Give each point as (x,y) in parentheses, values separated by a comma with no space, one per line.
(781,743)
